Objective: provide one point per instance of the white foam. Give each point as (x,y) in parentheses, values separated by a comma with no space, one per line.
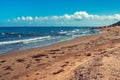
(25,40)
(3,33)
(63,32)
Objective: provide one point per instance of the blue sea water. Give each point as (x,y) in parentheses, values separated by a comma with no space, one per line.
(21,38)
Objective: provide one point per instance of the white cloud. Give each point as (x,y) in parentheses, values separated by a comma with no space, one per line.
(45,18)
(66,16)
(29,18)
(18,18)
(36,18)
(79,15)
(54,17)
(105,17)
(23,18)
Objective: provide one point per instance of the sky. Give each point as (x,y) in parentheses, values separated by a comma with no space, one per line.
(59,12)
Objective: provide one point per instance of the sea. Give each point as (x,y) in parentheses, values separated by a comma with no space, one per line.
(21,38)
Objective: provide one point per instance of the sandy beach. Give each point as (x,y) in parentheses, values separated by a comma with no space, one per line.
(93,57)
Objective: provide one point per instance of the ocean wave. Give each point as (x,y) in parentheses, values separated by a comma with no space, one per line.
(25,40)
(68,33)
(10,33)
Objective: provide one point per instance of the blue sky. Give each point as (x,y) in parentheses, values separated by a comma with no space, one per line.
(59,12)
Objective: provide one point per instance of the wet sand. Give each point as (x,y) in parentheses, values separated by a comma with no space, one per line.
(94,57)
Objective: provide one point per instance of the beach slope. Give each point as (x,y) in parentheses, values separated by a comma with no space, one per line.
(93,57)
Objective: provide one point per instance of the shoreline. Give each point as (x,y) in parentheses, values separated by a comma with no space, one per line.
(68,60)
(23,43)
(60,42)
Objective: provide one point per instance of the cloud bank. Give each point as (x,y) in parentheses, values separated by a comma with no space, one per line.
(76,19)
(80,15)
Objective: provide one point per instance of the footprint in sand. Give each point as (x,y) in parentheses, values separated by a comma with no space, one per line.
(3,61)
(7,68)
(57,72)
(21,60)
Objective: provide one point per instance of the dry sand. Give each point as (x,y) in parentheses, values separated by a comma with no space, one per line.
(94,57)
